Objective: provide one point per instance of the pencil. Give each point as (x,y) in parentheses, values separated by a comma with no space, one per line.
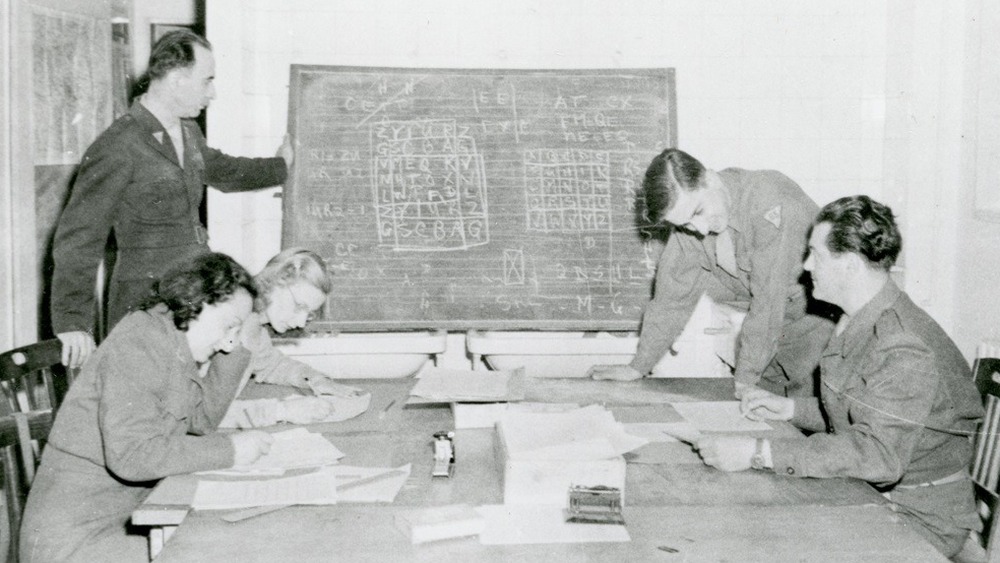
(386,409)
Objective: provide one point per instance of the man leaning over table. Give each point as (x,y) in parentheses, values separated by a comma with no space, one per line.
(898,396)
(738,236)
(144,178)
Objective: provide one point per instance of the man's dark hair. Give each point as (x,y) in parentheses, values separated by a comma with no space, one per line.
(205,280)
(174,50)
(671,170)
(863,226)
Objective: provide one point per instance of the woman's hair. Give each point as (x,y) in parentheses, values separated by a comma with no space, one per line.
(289,267)
(204,280)
(670,171)
(863,226)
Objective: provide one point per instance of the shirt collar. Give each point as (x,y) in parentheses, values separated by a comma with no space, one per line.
(146,119)
(862,324)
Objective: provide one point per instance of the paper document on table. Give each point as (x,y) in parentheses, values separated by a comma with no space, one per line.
(441,384)
(291,449)
(718,416)
(664,431)
(587,433)
(246,417)
(368,484)
(510,524)
(486,415)
(311,488)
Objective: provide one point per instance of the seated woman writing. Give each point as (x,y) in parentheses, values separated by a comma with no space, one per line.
(143,407)
(290,289)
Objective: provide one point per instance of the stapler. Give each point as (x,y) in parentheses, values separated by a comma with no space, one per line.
(595,505)
(444,454)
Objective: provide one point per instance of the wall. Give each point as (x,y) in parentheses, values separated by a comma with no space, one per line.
(784,85)
(977,298)
(848,97)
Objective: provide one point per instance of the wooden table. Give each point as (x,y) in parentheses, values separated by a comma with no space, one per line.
(677,503)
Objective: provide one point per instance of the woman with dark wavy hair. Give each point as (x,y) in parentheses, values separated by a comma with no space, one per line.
(144,407)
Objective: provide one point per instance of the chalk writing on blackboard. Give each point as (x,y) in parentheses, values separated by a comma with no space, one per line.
(457,198)
(429,186)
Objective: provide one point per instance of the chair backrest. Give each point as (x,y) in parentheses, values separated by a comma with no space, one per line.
(36,373)
(19,458)
(986,461)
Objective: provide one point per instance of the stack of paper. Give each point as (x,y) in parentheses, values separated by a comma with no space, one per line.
(291,449)
(450,385)
(440,522)
(312,488)
(486,415)
(543,454)
(580,434)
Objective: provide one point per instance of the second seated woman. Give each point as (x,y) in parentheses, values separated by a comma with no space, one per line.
(291,288)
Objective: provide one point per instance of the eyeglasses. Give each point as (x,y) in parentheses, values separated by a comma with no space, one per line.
(301,307)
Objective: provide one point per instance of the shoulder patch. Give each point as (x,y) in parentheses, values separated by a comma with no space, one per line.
(888,323)
(774,216)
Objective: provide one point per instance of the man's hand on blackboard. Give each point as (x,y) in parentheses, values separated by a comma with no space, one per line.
(614,372)
(286,151)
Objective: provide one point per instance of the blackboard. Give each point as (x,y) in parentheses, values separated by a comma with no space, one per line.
(459,198)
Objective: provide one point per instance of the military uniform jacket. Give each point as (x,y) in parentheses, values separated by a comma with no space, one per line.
(899,400)
(769,220)
(140,408)
(130,180)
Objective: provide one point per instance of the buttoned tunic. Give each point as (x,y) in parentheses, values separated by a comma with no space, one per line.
(131,181)
(769,221)
(900,405)
(139,411)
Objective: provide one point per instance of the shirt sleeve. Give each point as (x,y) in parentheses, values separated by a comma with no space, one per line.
(234,174)
(139,428)
(887,410)
(82,234)
(808,415)
(680,281)
(776,265)
(270,365)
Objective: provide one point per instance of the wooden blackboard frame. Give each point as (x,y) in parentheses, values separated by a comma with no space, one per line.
(297,193)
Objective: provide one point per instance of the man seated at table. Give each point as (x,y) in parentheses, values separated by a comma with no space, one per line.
(897,402)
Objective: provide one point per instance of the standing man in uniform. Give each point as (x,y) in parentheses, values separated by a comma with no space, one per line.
(144,178)
(739,237)
(897,402)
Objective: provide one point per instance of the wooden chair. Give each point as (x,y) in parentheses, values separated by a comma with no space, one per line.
(19,458)
(986,462)
(35,372)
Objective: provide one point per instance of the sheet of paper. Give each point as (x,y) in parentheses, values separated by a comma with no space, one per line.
(311,488)
(587,433)
(663,431)
(345,408)
(441,384)
(375,490)
(341,408)
(486,415)
(509,524)
(718,416)
(291,449)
